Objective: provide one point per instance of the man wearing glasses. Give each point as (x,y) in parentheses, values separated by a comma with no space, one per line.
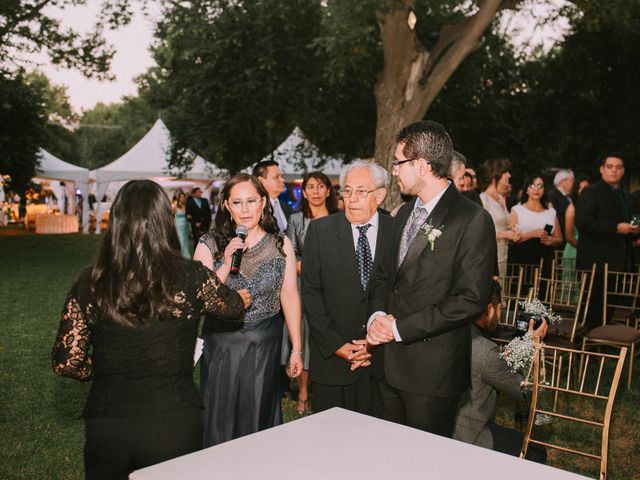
(445,252)
(340,254)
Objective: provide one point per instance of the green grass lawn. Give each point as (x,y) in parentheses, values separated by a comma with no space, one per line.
(41,432)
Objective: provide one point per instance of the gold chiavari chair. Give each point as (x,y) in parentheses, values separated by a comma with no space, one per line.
(621,295)
(566,299)
(594,388)
(530,273)
(511,296)
(569,272)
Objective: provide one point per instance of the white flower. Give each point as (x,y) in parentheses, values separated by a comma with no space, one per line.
(518,354)
(431,233)
(539,309)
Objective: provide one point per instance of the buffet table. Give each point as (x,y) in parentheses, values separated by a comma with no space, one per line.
(340,444)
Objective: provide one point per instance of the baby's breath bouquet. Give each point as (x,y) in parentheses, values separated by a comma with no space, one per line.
(518,354)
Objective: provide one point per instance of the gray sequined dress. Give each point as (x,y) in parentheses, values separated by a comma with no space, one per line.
(240,369)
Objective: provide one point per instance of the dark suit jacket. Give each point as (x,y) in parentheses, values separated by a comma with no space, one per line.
(560,202)
(598,212)
(198,215)
(286,209)
(435,295)
(333,299)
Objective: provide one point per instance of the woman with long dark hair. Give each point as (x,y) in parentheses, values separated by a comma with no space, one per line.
(129,324)
(240,369)
(538,225)
(318,200)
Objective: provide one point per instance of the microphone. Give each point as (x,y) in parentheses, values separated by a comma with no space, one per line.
(236,259)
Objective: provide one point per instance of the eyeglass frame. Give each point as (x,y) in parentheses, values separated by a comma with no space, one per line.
(363,195)
(397,163)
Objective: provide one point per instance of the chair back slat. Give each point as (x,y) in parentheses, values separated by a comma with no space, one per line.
(621,297)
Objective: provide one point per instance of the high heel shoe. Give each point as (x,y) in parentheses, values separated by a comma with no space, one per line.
(303,409)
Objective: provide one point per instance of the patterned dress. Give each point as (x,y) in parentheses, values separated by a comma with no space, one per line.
(240,369)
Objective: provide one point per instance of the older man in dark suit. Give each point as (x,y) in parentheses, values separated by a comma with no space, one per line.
(339,255)
(560,196)
(445,256)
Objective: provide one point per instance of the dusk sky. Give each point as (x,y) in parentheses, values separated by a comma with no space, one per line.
(133,58)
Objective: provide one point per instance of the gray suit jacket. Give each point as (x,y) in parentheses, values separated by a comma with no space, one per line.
(489,375)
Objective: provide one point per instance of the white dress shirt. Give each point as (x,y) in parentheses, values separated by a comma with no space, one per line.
(279,213)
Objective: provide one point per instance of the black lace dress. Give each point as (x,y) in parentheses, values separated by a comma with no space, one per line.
(140,370)
(240,367)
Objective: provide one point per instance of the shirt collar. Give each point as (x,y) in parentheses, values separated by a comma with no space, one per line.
(373,221)
(429,206)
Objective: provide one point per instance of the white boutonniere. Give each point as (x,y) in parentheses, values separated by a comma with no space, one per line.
(432,233)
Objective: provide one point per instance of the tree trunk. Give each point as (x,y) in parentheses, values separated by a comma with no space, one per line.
(412,77)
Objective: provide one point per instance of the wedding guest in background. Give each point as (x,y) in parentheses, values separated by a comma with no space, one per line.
(461,178)
(198,214)
(270,175)
(491,376)
(571,232)
(340,254)
(240,366)
(318,200)
(604,215)
(182,224)
(457,169)
(129,325)
(560,196)
(495,175)
(538,224)
(473,176)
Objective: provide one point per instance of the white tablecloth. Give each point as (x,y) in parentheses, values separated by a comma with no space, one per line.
(339,444)
(56,224)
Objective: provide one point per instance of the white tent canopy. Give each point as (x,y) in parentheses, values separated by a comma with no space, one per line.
(297,156)
(148,159)
(52,168)
(55,169)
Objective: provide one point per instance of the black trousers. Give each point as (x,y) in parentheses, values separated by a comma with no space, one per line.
(509,441)
(357,397)
(430,414)
(115,447)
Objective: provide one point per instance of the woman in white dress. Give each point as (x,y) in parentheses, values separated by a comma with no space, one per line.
(495,177)
(539,227)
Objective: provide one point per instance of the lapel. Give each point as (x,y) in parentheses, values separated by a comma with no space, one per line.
(346,250)
(436,218)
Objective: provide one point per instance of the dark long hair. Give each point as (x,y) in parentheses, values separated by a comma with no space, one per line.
(331,202)
(224,228)
(133,278)
(544,200)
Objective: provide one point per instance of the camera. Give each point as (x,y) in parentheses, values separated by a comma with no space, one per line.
(522,323)
(548,228)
